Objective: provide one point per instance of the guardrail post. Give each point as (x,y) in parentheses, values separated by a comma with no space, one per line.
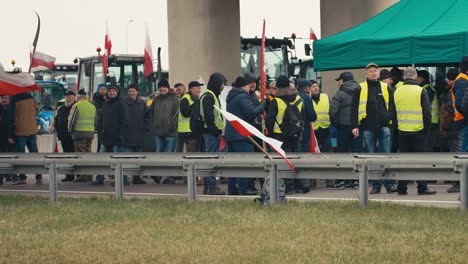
(363,178)
(52,182)
(191,183)
(464,189)
(118,181)
(273,175)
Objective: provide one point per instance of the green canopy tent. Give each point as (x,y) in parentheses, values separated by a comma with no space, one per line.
(420,32)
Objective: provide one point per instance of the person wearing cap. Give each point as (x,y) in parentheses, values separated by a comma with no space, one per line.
(240,104)
(138,125)
(397,77)
(304,87)
(340,118)
(81,127)
(285,95)
(414,120)
(270,95)
(450,139)
(22,127)
(99,98)
(372,115)
(213,124)
(164,112)
(61,127)
(460,99)
(185,137)
(321,103)
(424,81)
(386,77)
(179,90)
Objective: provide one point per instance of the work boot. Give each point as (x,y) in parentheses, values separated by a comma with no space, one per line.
(375,190)
(156,179)
(217,191)
(38,178)
(426,191)
(138,180)
(68,178)
(454,189)
(391,189)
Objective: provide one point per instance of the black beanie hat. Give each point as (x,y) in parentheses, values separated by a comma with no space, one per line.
(282,82)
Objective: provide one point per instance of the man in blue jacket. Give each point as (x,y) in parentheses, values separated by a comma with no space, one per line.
(310,115)
(460,92)
(240,104)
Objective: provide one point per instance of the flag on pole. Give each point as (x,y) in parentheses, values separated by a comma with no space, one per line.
(40,60)
(107,52)
(312,34)
(245,129)
(148,55)
(16,83)
(262,65)
(313,146)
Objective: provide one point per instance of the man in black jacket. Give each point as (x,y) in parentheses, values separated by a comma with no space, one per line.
(61,127)
(186,137)
(98,101)
(372,114)
(5,144)
(114,117)
(213,124)
(138,125)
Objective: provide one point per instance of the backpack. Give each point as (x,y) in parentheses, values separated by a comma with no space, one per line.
(196,119)
(265,192)
(293,121)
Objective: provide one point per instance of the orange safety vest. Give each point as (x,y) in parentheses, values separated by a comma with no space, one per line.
(458,116)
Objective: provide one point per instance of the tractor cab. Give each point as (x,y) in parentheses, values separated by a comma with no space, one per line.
(123,70)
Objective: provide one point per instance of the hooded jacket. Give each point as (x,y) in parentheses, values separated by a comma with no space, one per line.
(114,122)
(240,104)
(164,112)
(98,102)
(214,84)
(61,122)
(340,107)
(138,122)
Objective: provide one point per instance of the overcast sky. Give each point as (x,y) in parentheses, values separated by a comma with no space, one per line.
(72,29)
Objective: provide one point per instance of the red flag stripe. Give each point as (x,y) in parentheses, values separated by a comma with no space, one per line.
(148,55)
(262,65)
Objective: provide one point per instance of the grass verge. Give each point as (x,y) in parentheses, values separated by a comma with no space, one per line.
(102,230)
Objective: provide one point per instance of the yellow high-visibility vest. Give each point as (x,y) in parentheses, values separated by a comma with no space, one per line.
(86,115)
(408,107)
(184,122)
(434,105)
(322,109)
(362,109)
(281,110)
(219,121)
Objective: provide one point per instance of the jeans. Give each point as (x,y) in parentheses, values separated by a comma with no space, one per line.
(103,149)
(243,183)
(464,139)
(130,149)
(378,141)
(346,142)
(165,144)
(211,144)
(23,142)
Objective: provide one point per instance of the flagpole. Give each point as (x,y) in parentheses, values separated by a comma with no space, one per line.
(36,38)
(259,147)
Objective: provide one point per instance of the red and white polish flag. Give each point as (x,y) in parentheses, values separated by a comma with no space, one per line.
(107,51)
(16,83)
(245,129)
(148,55)
(40,60)
(313,146)
(312,34)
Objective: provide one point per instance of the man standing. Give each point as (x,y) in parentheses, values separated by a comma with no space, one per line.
(81,127)
(5,144)
(98,100)
(22,127)
(304,86)
(164,115)
(373,113)
(240,104)
(185,137)
(414,120)
(213,124)
(460,99)
(61,127)
(179,90)
(424,81)
(274,120)
(386,77)
(321,104)
(138,124)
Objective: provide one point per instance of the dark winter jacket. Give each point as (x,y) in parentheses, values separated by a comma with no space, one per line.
(377,114)
(258,120)
(3,127)
(240,104)
(138,122)
(340,107)
(448,128)
(61,122)
(215,83)
(460,89)
(114,122)
(98,102)
(164,113)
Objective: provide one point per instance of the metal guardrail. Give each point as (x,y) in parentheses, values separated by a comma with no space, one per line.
(414,166)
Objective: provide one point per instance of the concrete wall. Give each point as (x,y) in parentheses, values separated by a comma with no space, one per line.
(204,37)
(339,15)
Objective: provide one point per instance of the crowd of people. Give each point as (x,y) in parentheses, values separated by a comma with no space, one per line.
(391,111)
